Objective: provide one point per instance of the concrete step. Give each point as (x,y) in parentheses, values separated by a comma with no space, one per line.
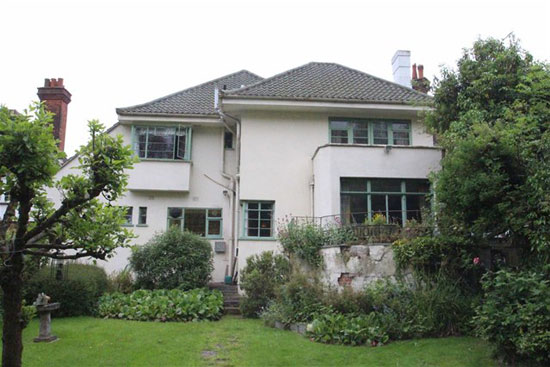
(232,311)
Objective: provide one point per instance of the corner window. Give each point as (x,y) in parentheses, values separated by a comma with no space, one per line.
(370,131)
(397,200)
(142,217)
(258,219)
(204,222)
(162,142)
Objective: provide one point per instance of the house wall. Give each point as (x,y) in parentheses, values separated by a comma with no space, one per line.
(279,161)
(161,193)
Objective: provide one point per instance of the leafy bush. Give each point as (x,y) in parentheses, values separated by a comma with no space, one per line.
(302,297)
(334,328)
(348,301)
(259,279)
(163,305)
(515,314)
(173,259)
(305,240)
(27,314)
(78,293)
(437,308)
(122,281)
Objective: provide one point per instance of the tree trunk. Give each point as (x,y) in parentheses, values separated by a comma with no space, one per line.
(12,285)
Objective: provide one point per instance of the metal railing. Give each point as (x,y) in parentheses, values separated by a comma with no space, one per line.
(373,229)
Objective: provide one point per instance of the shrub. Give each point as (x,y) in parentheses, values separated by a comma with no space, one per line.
(334,328)
(515,314)
(436,308)
(78,292)
(302,297)
(348,301)
(121,281)
(173,259)
(259,279)
(163,305)
(305,240)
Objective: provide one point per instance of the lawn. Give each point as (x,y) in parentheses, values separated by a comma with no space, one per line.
(86,341)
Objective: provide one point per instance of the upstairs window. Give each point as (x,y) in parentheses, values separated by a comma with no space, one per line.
(162,142)
(370,131)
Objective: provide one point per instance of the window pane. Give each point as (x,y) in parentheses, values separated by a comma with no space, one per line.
(128,215)
(174,223)
(265,232)
(394,208)
(339,125)
(253,205)
(353,184)
(401,138)
(418,185)
(181,140)
(195,221)
(339,136)
(142,219)
(380,132)
(175,212)
(253,232)
(161,143)
(140,143)
(265,214)
(228,140)
(266,206)
(385,185)
(215,213)
(214,227)
(415,204)
(360,132)
(253,214)
(400,126)
(378,204)
(354,208)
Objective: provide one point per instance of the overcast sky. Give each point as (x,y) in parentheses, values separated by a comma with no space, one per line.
(118,53)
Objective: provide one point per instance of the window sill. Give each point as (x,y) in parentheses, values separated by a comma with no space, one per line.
(257,239)
(218,238)
(142,225)
(128,225)
(165,160)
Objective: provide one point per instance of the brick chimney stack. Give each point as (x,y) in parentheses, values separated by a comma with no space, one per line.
(56,99)
(418,82)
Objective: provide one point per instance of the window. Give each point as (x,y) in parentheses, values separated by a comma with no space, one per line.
(370,131)
(129,214)
(398,200)
(204,222)
(228,140)
(142,217)
(258,219)
(162,142)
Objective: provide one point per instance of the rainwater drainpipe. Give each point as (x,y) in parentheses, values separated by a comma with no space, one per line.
(233,179)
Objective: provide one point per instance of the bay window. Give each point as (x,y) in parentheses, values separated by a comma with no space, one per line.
(162,142)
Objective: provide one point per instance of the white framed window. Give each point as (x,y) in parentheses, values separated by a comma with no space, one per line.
(169,143)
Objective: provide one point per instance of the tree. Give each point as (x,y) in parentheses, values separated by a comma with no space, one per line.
(492,117)
(81,226)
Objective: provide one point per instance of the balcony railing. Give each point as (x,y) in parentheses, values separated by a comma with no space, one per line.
(374,230)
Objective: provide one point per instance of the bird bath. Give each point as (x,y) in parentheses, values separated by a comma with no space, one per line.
(44,310)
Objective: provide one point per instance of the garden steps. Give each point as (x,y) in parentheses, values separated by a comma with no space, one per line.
(231,297)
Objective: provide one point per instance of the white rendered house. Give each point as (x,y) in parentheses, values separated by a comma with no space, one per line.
(230,158)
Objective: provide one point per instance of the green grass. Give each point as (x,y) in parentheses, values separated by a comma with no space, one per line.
(86,341)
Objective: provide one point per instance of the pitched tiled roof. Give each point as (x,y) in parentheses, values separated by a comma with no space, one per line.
(198,100)
(318,81)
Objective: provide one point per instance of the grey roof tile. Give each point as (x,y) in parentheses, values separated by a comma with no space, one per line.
(318,81)
(198,100)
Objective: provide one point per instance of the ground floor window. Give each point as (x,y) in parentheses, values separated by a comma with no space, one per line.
(204,222)
(258,219)
(398,200)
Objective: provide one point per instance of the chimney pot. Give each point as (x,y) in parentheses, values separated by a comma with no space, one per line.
(414,72)
(421,71)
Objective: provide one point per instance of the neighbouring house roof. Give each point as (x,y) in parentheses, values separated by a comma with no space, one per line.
(198,100)
(319,81)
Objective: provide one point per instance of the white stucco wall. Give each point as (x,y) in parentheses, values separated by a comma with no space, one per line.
(332,162)
(157,178)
